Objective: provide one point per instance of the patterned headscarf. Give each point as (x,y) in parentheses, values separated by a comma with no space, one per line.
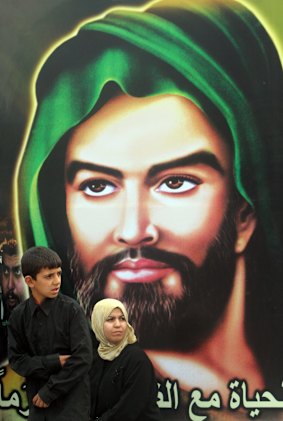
(100,312)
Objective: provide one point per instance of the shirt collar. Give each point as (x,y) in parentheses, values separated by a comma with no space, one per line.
(45,306)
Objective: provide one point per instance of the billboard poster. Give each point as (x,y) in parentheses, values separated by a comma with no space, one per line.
(143,142)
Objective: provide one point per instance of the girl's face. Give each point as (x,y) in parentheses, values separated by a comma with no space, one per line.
(115,326)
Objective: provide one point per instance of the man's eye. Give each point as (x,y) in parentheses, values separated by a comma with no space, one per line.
(6,271)
(97,188)
(177,184)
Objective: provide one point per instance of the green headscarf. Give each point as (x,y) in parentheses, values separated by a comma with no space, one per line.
(213,52)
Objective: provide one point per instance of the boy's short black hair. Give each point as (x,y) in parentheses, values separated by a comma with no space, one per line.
(37,258)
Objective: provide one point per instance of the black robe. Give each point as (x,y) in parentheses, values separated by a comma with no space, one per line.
(37,336)
(124,389)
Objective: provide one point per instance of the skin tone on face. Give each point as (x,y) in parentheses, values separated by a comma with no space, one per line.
(135,180)
(45,285)
(12,278)
(115,326)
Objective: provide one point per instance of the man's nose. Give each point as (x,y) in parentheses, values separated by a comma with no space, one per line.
(136,228)
(11,281)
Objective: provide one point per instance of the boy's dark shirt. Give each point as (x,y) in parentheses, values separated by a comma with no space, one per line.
(37,336)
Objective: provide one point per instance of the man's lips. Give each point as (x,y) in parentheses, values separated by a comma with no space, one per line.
(12,301)
(140,270)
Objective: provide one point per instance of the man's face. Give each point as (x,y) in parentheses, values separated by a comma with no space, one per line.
(12,280)
(146,174)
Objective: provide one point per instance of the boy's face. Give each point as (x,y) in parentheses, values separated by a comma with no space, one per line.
(46,284)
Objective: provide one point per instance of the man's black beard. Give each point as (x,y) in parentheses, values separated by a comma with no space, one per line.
(8,296)
(162,321)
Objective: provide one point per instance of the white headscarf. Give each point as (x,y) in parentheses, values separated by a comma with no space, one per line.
(100,312)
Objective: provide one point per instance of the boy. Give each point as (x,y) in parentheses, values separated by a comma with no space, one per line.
(49,343)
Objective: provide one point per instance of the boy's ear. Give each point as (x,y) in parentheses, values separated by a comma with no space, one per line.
(245,226)
(29,281)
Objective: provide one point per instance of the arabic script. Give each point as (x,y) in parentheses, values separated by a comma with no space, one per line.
(13,400)
(238,398)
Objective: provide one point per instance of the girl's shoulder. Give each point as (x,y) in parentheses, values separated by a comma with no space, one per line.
(135,353)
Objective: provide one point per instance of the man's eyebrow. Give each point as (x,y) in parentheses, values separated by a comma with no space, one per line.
(203,157)
(76,166)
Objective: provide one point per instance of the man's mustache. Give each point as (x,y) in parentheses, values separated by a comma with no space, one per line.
(90,286)
(177,261)
(10,295)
